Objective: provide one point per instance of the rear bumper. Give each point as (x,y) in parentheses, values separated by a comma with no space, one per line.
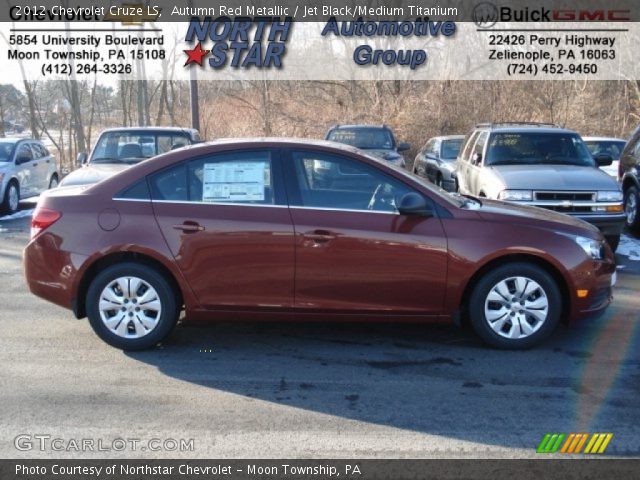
(50,272)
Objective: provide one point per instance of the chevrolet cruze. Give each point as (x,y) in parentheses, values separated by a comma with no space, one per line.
(246,230)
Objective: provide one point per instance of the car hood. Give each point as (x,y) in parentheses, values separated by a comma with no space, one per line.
(93,174)
(384,154)
(525,213)
(553,177)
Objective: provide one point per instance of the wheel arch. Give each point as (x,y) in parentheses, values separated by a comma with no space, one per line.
(629,181)
(105,261)
(544,264)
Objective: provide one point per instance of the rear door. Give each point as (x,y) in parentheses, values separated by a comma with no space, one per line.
(225,219)
(42,166)
(354,252)
(25,170)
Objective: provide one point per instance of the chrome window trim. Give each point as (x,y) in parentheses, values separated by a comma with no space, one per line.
(296,207)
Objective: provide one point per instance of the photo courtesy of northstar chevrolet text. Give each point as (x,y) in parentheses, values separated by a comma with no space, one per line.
(298,239)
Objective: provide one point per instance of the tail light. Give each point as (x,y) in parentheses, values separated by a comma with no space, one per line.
(42,219)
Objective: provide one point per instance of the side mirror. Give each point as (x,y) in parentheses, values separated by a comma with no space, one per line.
(81,159)
(476,158)
(603,159)
(414,204)
(404,146)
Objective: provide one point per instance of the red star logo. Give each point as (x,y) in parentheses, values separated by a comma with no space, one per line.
(195,55)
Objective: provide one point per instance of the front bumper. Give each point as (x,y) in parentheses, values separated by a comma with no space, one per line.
(608,224)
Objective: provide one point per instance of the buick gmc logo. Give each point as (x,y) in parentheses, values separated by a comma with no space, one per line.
(487,14)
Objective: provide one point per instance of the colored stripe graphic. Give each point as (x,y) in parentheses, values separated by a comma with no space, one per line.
(550,443)
(597,443)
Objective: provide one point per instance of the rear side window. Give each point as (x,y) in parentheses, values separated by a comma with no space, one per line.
(233,178)
(137,191)
(467,149)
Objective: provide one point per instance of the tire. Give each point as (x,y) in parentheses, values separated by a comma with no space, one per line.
(632,208)
(488,299)
(144,328)
(53,183)
(613,241)
(439,181)
(11,200)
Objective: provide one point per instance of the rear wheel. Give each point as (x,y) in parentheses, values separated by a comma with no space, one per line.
(131,306)
(11,199)
(631,202)
(53,183)
(439,180)
(515,306)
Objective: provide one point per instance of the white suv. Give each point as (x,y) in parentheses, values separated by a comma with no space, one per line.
(26,169)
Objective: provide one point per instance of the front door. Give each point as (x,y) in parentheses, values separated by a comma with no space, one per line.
(354,251)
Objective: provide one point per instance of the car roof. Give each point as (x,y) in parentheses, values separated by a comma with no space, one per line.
(151,129)
(447,137)
(521,129)
(18,139)
(603,139)
(359,125)
(279,141)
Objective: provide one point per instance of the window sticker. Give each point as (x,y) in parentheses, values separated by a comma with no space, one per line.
(234,182)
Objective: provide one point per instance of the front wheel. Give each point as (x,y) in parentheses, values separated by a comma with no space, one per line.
(631,201)
(613,241)
(11,199)
(515,306)
(131,306)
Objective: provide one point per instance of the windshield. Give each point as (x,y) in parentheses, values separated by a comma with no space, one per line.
(6,151)
(534,148)
(128,147)
(364,138)
(450,149)
(606,147)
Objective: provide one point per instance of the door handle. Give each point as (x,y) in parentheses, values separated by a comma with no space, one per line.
(34,164)
(189,227)
(320,236)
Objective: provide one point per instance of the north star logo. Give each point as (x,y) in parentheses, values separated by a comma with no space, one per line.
(239,43)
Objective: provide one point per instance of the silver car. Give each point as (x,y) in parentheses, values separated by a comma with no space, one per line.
(26,170)
(544,166)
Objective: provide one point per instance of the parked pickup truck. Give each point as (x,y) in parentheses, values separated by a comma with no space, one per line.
(544,166)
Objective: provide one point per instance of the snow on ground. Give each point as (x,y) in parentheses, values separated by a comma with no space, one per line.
(19,214)
(629,247)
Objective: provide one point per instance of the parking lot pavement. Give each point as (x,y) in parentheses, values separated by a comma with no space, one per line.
(310,390)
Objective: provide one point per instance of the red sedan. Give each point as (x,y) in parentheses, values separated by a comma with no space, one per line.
(270,229)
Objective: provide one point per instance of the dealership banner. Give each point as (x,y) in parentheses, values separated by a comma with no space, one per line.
(358,40)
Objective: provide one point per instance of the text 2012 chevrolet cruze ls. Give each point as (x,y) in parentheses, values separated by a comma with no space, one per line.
(246,229)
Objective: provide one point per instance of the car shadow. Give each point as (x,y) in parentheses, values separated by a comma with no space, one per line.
(433,379)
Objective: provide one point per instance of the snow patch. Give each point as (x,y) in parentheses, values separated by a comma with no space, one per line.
(20,214)
(629,247)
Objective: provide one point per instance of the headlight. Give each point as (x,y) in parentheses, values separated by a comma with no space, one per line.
(516,195)
(593,248)
(610,196)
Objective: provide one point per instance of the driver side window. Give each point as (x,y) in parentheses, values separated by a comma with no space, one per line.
(339,183)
